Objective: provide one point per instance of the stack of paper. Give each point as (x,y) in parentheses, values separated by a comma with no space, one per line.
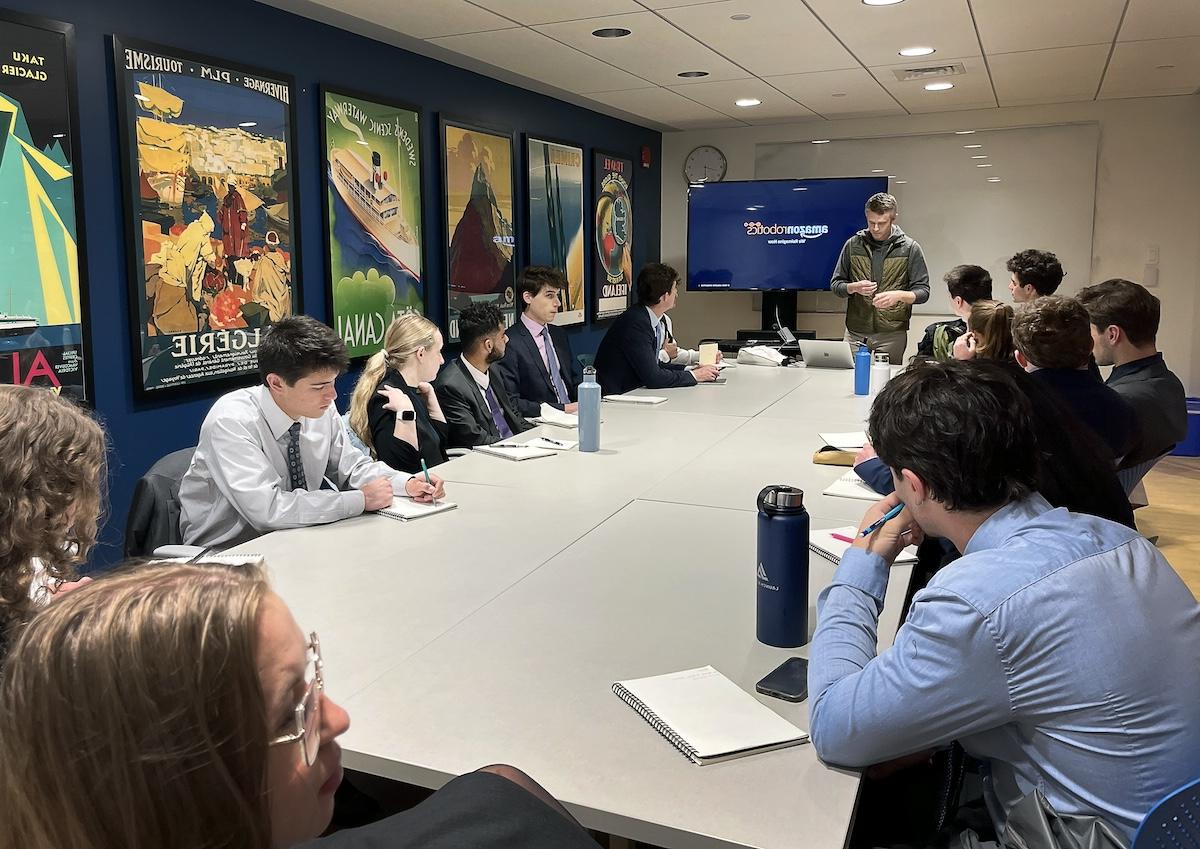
(558,418)
(636,399)
(516,451)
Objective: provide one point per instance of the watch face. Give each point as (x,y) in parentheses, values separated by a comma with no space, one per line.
(407,415)
(705,164)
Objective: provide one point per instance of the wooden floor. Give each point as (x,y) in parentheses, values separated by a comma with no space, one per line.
(1173,488)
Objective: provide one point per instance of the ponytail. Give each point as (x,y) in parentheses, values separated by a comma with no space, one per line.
(364,390)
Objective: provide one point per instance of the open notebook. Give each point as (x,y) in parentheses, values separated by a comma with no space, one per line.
(515,451)
(404,508)
(558,418)
(706,716)
(851,441)
(827,544)
(636,399)
(850,485)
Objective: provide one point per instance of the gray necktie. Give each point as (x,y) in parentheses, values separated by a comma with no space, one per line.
(294,463)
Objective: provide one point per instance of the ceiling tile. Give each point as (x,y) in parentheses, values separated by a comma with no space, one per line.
(876,34)
(539,57)
(972,90)
(767,43)
(1048,76)
(720,96)
(1134,71)
(543,12)
(660,105)
(1148,19)
(421,19)
(1004,25)
(861,95)
(655,50)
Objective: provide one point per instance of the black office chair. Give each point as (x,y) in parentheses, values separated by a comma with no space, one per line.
(153,520)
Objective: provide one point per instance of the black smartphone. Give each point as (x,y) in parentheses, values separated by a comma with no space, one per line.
(788,681)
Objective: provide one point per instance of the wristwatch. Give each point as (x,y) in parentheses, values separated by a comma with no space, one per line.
(408,415)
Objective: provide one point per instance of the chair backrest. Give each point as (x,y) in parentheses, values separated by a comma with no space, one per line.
(153,519)
(1174,823)
(353,437)
(1131,477)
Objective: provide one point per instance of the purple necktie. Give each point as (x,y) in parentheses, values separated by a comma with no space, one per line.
(497,413)
(560,388)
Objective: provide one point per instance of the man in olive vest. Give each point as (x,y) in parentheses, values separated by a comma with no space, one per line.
(882,272)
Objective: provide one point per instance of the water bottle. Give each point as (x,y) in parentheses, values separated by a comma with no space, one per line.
(881,372)
(589,411)
(862,370)
(782,567)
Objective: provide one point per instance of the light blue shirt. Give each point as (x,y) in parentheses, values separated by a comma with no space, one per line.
(1061,650)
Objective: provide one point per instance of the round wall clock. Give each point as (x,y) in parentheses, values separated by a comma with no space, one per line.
(705,164)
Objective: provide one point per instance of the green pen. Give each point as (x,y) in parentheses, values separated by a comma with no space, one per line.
(425,470)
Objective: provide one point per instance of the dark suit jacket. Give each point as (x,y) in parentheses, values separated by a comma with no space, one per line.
(431,435)
(1097,406)
(525,375)
(628,357)
(1158,401)
(467,414)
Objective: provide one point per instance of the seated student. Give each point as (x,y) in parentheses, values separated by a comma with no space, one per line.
(966,284)
(52,466)
(265,451)
(478,409)
(394,409)
(989,333)
(1060,650)
(238,751)
(628,354)
(1054,342)
(671,352)
(538,367)
(1035,274)
(1124,322)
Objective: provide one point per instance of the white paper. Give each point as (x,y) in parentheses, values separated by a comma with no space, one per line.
(850,485)
(636,399)
(851,441)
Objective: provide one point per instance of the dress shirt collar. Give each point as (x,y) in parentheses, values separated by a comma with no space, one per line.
(535,329)
(998,526)
(1134,366)
(482,378)
(277,420)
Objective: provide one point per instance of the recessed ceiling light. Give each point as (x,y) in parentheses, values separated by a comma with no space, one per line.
(963,132)
(691,75)
(881,2)
(739,17)
(917,51)
(938,86)
(877,170)
(820,141)
(891,176)
(980,156)
(746,102)
(901,182)
(984,165)
(611,32)
(248,124)
(60,135)
(993,179)
(800,189)
(972,146)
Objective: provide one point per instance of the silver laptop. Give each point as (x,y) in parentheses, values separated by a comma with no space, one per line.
(819,353)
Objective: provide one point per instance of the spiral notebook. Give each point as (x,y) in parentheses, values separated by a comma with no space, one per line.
(405,509)
(832,544)
(706,716)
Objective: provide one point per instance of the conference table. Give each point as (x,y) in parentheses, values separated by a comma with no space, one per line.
(493,633)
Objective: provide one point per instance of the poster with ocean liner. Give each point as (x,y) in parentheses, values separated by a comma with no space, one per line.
(210,196)
(43,305)
(613,178)
(477,172)
(555,205)
(373,216)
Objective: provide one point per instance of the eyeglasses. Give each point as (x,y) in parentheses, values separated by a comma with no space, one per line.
(308,713)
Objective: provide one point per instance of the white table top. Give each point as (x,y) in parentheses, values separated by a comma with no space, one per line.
(748,391)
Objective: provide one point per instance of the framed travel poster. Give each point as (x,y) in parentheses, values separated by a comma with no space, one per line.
(555,205)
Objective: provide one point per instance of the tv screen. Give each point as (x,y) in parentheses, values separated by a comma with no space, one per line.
(772,234)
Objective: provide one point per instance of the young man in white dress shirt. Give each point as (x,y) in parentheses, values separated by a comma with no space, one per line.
(266,451)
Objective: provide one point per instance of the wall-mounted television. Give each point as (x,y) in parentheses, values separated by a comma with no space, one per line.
(772,234)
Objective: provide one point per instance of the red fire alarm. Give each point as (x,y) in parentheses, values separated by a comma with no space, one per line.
(645,156)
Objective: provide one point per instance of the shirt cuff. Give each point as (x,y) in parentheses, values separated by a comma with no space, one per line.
(864,571)
(353,502)
(398,482)
(546,410)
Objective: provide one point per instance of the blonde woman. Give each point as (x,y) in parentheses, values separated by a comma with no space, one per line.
(190,695)
(394,409)
(989,333)
(52,464)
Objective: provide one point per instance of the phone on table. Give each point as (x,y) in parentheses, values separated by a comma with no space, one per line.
(788,681)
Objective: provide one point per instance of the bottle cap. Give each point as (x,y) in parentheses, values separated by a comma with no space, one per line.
(781,499)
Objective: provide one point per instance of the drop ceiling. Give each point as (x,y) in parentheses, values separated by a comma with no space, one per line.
(801,58)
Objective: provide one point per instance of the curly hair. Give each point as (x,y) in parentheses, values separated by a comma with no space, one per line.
(1053,332)
(1039,269)
(52,468)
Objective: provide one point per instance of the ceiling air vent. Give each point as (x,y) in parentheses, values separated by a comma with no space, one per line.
(953,69)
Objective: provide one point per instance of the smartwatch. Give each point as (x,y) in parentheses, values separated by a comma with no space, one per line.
(408,415)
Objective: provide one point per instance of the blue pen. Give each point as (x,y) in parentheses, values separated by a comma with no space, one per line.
(882,520)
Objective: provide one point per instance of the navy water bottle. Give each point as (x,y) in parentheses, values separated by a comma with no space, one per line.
(862,371)
(782,567)
(589,411)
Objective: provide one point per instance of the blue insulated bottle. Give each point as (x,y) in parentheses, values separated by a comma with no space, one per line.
(782,567)
(862,371)
(589,411)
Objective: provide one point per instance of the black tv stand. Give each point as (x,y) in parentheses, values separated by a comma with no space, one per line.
(785,303)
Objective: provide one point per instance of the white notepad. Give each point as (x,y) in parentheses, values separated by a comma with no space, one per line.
(706,716)
(823,543)
(558,418)
(223,559)
(510,451)
(851,441)
(404,508)
(551,444)
(636,399)
(850,485)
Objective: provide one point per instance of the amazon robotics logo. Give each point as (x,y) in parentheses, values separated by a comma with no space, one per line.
(801,233)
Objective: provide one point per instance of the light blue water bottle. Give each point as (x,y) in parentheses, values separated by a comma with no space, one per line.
(862,371)
(589,411)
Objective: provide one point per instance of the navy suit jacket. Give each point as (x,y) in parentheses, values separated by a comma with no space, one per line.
(1097,406)
(525,375)
(468,418)
(628,357)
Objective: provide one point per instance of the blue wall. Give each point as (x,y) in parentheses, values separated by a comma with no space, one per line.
(248,32)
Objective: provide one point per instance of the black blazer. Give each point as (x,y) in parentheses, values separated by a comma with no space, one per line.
(525,375)
(1097,406)
(467,414)
(628,357)
(431,435)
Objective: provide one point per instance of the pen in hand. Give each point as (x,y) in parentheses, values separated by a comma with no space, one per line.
(882,520)
(425,471)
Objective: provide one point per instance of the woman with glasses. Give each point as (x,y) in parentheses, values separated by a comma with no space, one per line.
(172,707)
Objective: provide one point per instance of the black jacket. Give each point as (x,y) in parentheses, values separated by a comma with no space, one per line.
(467,414)
(1096,405)
(154,513)
(525,375)
(1159,403)
(431,435)
(628,357)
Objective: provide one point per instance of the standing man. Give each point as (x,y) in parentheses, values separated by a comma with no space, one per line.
(883,273)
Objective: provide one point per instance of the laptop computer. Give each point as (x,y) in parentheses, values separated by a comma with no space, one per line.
(821,353)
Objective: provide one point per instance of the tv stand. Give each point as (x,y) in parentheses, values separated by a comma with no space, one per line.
(785,303)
